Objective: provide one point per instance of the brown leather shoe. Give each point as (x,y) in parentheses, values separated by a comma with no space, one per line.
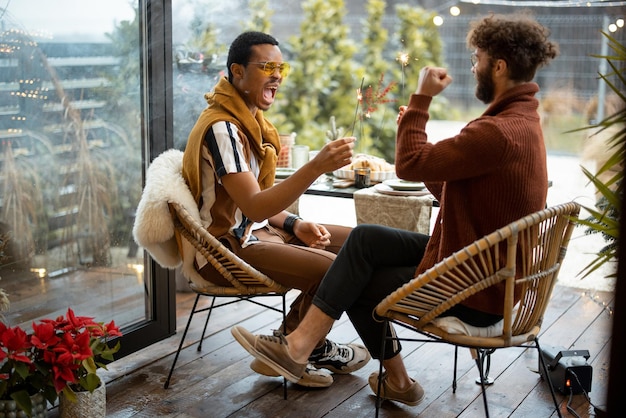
(312,377)
(412,396)
(271,350)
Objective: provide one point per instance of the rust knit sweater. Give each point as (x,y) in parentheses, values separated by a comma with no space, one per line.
(492,173)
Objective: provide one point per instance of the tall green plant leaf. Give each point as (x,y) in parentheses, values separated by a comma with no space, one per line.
(605,217)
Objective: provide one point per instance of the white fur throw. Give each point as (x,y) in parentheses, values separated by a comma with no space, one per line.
(153,228)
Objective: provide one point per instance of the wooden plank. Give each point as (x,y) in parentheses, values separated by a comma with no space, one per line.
(194,377)
(218,381)
(584,317)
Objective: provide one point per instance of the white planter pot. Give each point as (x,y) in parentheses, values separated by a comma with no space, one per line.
(88,405)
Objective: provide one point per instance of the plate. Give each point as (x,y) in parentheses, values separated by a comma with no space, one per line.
(384,189)
(375,176)
(399,184)
(283,173)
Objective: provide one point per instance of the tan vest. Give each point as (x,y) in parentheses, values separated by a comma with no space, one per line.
(225,104)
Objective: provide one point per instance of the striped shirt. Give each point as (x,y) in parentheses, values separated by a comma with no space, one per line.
(225,152)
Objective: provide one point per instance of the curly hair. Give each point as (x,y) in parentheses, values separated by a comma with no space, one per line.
(241,48)
(517,39)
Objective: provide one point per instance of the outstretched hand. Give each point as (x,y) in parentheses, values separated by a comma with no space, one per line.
(335,154)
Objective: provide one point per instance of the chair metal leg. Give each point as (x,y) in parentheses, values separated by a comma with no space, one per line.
(456,356)
(206,323)
(479,363)
(379,387)
(284,332)
(182,340)
(485,356)
(546,373)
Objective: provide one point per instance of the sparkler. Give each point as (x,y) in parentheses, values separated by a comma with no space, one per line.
(359,98)
(403,58)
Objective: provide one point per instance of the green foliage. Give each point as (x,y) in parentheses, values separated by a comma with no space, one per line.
(328,67)
(419,38)
(380,133)
(261,15)
(605,218)
(125,42)
(375,39)
(204,39)
(322,82)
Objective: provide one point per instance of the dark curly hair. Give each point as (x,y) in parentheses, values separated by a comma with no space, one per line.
(517,39)
(241,48)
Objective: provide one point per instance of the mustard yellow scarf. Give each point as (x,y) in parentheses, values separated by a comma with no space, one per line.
(226,104)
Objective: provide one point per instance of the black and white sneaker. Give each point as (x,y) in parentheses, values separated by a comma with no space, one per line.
(340,358)
(312,377)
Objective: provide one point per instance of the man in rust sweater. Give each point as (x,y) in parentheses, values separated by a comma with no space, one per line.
(492,173)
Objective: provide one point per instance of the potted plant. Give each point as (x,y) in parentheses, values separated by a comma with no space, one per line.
(59,358)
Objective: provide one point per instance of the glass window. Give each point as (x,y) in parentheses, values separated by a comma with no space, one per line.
(71,160)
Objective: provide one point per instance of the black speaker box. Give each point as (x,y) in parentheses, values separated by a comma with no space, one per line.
(569,370)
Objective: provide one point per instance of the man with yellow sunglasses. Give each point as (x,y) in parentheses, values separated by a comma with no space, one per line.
(229,163)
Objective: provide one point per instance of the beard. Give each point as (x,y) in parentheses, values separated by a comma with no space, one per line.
(485,87)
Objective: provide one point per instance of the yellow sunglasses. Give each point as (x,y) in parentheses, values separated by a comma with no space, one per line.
(269,67)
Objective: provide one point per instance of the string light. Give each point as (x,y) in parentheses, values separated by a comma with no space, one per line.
(596,299)
(613,27)
(40,272)
(547,3)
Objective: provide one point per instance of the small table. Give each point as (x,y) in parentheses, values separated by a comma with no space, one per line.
(411,213)
(371,207)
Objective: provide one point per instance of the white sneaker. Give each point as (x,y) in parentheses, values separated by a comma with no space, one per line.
(340,358)
(312,377)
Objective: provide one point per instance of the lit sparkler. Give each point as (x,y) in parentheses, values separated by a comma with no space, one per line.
(359,98)
(403,58)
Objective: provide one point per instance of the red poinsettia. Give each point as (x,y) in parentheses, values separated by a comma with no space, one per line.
(60,355)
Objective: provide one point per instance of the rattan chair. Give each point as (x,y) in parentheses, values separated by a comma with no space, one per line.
(247,283)
(534,246)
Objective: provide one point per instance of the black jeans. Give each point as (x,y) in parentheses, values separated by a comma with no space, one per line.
(373,262)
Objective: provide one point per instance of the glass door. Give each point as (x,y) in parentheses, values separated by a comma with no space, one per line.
(75,119)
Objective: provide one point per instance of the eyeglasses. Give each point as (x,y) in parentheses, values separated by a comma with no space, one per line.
(474,59)
(269,68)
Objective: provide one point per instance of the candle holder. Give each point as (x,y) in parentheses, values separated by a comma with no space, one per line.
(362,177)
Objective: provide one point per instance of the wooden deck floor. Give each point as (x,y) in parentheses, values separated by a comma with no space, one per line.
(217,381)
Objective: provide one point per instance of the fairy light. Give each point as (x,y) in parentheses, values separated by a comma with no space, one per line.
(40,272)
(615,26)
(549,3)
(596,299)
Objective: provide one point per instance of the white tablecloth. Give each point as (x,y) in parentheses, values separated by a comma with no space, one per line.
(405,212)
